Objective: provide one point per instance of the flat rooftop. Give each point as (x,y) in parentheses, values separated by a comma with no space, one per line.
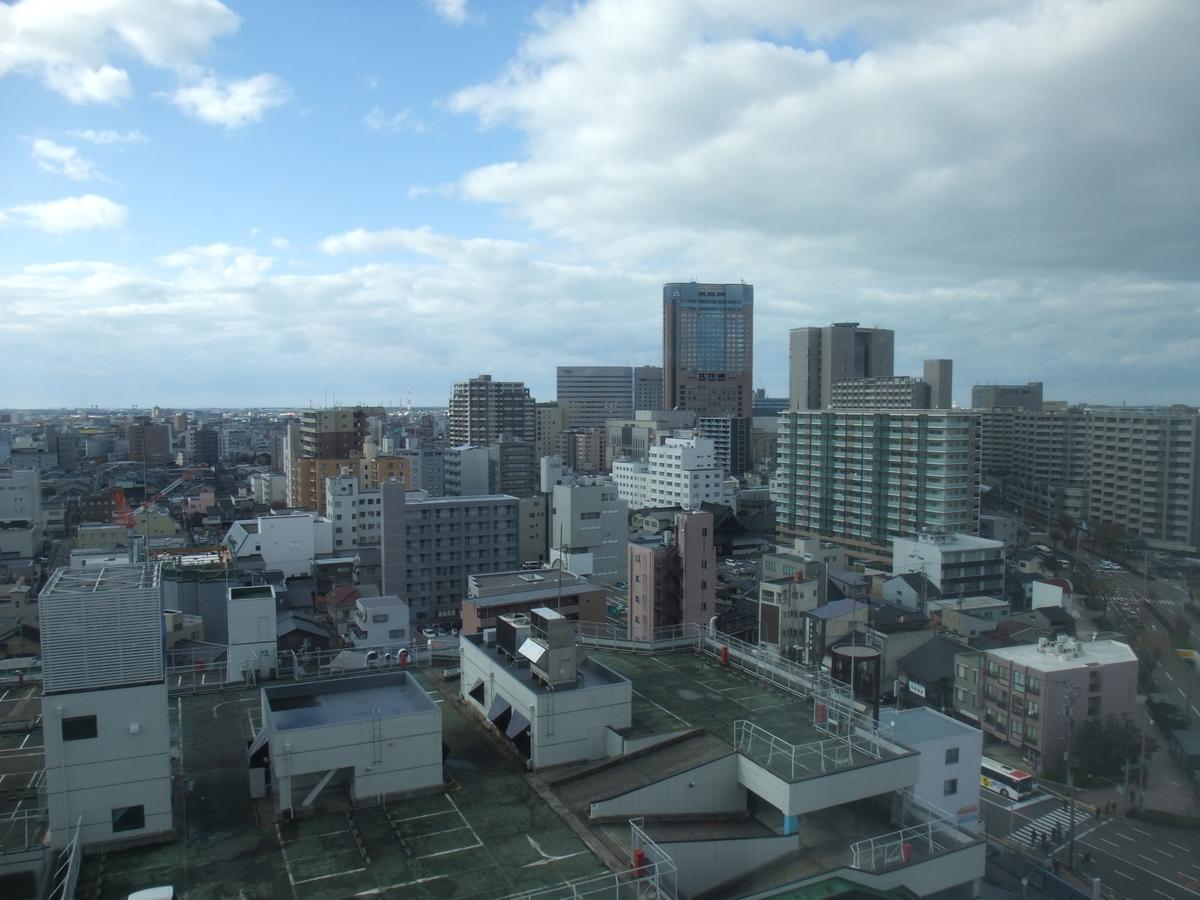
(969,603)
(1049,659)
(548,592)
(921,724)
(356,699)
(487,834)
(594,672)
(520,579)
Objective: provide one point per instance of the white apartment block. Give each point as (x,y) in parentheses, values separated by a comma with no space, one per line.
(958,565)
(681,472)
(268,488)
(285,542)
(357,515)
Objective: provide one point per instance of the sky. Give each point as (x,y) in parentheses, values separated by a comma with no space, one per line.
(287,202)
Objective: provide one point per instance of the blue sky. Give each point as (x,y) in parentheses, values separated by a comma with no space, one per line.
(238,204)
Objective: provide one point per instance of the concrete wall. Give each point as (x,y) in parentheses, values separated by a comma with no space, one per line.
(251,631)
(127,764)
(834,789)
(710,788)
(704,865)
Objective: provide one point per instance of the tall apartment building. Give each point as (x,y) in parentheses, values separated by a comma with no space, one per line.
(337,433)
(863,479)
(432,544)
(482,409)
(818,358)
(149,442)
(595,394)
(306,484)
(681,472)
(1143,473)
(584,449)
(731,442)
(1010,396)
(1040,457)
(588,525)
(672,579)
(1025,692)
(467,471)
(104,705)
(647,388)
(708,348)
(550,420)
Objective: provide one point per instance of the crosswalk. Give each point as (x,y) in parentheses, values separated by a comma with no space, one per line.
(1044,824)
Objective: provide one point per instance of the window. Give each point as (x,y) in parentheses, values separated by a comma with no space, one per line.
(379,617)
(128,818)
(1018,680)
(1093,707)
(79,728)
(951,756)
(950,788)
(396,634)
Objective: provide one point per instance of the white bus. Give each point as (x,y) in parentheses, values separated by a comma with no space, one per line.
(1006,781)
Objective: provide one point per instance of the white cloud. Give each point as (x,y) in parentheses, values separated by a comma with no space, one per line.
(454,11)
(62,160)
(218,266)
(231,103)
(379,119)
(84,213)
(280,243)
(71,45)
(108,136)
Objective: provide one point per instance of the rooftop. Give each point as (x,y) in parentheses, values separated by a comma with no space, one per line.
(837,608)
(358,699)
(957,541)
(484,583)
(541,594)
(969,603)
(921,724)
(1049,658)
(593,672)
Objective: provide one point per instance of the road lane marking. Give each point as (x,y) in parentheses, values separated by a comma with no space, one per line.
(1123,875)
(1178,846)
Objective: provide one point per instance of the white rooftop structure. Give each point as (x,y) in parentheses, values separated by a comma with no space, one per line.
(1066,653)
(101,627)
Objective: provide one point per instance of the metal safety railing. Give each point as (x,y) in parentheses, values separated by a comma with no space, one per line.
(23,829)
(925,831)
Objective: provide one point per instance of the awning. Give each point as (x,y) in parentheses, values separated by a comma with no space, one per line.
(516,725)
(532,651)
(499,707)
(476,692)
(256,753)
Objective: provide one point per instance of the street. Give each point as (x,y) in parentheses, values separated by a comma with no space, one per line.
(1138,860)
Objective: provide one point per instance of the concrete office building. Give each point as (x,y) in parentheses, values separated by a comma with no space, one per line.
(958,565)
(631,439)
(588,524)
(427,468)
(316,734)
(149,442)
(482,409)
(708,348)
(583,450)
(357,515)
(512,468)
(1025,691)
(104,705)
(533,528)
(494,594)
(647,388)
(862,479)
(681,472)
(1144,473)
(818,358)
(1007,396)
(20,511)
(466,471)
(337,433)
(432,544)
(673,578)
(939,375)
(286,542)
(306,485)
(595,394)
(895,392)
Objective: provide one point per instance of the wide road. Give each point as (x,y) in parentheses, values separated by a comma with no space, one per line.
(1142,861)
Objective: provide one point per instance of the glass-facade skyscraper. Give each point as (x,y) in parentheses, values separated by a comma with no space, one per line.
(708,348)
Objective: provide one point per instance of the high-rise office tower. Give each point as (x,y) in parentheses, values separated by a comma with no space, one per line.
(821,357)
(708,348)
(647,388)
(481,410)
(939,375)
(1006,396)
(595,394)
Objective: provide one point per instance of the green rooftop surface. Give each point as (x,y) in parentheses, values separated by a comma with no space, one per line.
(487,835)
(675,691)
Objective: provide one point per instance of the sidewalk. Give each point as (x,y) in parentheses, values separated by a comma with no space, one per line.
(1167,789)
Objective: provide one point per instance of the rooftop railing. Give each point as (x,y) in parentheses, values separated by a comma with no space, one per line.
(925,831)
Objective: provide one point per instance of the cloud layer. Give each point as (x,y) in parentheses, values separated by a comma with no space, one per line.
(84,213)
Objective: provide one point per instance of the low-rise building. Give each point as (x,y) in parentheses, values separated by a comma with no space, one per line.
(969,617)
(285,541)
(959,565)
(495,594)
(379,622)
(673,579)
(1026,689)
(948,768)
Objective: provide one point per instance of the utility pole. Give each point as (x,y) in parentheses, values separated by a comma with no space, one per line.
(1071,770)
(1142,778)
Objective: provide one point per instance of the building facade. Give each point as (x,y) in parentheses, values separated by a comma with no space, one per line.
(588,524)
(958,565)
(818,358)
(647,388)
(1010,396)
(482,409)
(681,472)
(595,394)
(672,579)
(708,348)
(863,479)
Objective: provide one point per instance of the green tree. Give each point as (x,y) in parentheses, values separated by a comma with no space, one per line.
(1109,537)
(1102,748)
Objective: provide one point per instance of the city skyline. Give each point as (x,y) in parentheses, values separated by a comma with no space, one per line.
(225,206)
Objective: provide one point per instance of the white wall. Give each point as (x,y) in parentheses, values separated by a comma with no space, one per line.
(252,634)
(704,865)
(706,789)
(128,763)
(833,789)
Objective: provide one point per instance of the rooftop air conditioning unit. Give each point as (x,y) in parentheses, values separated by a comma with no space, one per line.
(512,630)
(551,648)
